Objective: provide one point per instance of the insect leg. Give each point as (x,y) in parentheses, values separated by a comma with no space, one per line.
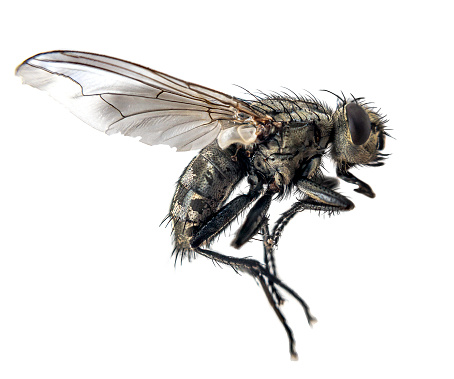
(282,222)
(281,317)
(270,262)
(225,216)
(255,269)
(319,196)
(254,220)
(348,177)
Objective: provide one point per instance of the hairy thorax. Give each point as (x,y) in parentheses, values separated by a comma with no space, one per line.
(303,133)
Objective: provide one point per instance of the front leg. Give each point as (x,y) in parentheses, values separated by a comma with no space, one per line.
(348,177)
(323,198)
(319,196)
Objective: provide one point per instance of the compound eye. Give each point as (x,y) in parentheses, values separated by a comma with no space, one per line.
(359,123)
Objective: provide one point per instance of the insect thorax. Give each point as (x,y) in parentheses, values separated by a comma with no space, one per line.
(303,133)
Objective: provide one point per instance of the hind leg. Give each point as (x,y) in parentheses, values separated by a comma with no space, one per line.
(267,279)
(257,270)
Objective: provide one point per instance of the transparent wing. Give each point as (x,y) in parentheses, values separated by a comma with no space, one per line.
(113,96)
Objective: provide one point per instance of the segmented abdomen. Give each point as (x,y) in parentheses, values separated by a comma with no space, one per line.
(201,190)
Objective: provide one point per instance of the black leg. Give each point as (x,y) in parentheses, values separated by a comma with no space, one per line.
(268,280)
(270,263)
(259,272)
(224,217)
(283,221)
(281,317)
(319,197)
(257,220)
(348,177)
(255,269)
(254,221)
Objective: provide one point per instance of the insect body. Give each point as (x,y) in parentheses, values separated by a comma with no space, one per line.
(276,142)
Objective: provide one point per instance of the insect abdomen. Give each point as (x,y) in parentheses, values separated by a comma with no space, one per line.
(201,190)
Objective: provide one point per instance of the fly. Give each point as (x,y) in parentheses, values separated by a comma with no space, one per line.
(276,142)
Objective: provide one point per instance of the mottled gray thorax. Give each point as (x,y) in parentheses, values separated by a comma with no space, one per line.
(303,133)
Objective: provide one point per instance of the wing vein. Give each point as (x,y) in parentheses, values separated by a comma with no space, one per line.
(114,95)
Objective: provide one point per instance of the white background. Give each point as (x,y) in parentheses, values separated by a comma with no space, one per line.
(87,285)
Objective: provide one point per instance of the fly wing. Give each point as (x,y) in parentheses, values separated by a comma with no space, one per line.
(114,96)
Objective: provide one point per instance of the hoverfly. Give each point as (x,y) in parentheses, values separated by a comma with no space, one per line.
(275,142)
